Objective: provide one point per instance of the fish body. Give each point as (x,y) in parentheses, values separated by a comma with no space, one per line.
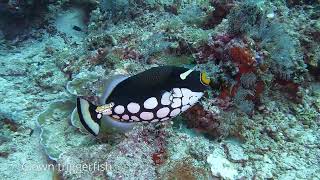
(155,95)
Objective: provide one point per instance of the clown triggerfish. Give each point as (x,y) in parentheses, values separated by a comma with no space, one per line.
(155,95)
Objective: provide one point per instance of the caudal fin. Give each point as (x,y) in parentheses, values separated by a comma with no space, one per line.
(88,116)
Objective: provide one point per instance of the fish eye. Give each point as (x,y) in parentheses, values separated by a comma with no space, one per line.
(204,79)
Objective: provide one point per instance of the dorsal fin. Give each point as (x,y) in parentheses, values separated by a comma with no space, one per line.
(154,77)
(110,84)
(153,80)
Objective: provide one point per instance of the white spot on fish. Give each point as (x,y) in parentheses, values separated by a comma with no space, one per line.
(116,116)
(155,120)
(177,92)
(163,112)
(175,112)
(187,93)
(176,102)
(133,107)
(195,97)
(135,118)
(164,119)
(165,98)
(125,117)
(170,97)
(150,103)
(185,100)
(184,108)
(99,116)
(146,115)
(119,109)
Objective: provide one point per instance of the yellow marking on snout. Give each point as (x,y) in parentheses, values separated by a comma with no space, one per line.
(103,108)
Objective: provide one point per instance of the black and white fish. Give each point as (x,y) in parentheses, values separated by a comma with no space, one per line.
(155,95)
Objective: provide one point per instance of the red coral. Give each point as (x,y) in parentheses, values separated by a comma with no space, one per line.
(159,157)
(227,92)
(234,89)
(130,53)
(98,56)
(259,88)
(237,59)
(242,56)
(244,59)
(214,50)
(159,142)
(289,87)
(223,104)
(202,120)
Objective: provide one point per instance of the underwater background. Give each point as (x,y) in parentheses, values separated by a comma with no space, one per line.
(261,121)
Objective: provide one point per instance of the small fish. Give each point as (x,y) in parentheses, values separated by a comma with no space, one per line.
(155,95)
(76,28)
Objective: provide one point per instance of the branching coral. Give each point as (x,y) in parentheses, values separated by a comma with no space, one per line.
(239,68)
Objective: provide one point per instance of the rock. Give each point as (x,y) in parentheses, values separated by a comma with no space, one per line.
(83,84)
(85,162)
(220,166)
(236,152)
(132,157)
